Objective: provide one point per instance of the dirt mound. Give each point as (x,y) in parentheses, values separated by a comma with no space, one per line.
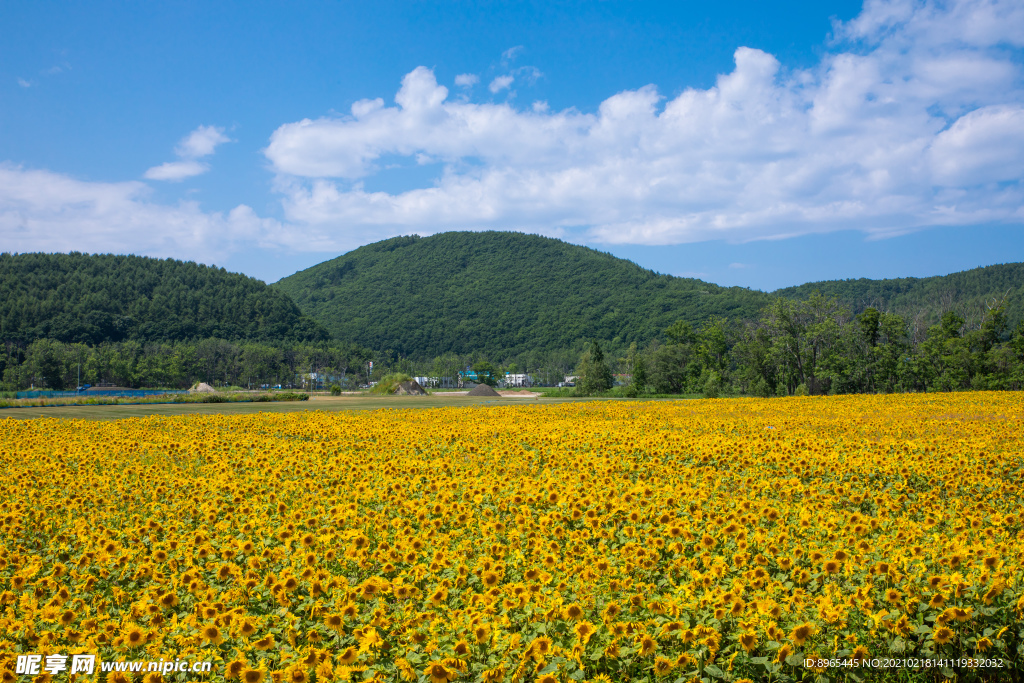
(203,388)
(410,388)
(483,390)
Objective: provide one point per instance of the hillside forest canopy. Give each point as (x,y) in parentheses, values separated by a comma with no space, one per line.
(503,294)
(133,321)
(92,299)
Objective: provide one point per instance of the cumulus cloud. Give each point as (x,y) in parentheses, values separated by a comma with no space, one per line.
(466,80)
(913,118)
(983,146)
(45,211)
(201,142)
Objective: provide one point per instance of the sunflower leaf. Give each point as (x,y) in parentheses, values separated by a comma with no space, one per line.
(714,671)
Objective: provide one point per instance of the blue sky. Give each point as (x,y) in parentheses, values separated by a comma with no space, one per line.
(745,143)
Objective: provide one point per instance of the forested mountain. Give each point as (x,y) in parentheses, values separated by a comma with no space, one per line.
(923,300)
(492,295)
(500,294)
(106,298)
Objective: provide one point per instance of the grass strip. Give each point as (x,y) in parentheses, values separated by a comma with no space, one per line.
(269,397)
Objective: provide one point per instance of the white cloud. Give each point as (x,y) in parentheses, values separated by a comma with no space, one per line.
(466,80)
(24,84)
(914,118)
(526,74)
(176,170)
(511,53)
(201,142)
(984,146)
(911,23)
(500,83)
(45,211)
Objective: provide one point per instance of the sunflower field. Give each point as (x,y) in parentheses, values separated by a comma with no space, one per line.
(878,537)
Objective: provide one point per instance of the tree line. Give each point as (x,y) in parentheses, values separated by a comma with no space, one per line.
(53,364)
(922,301)
(813,346)
(816,346)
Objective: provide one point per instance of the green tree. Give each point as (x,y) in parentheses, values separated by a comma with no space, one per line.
(634,364)
(260,364)
(755,368)
(670,367)
(485,373)
(947,355)
(46,363)
(639,381)
(712,355)
(805,336)
(891,353)
(592,373)
(674,366)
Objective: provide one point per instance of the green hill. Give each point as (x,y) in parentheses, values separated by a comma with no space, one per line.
(503,293)
(95,298)
(925,299)
(499,293)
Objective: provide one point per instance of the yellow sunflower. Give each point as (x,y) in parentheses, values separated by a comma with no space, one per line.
(943,634)
(211,634)
(647,645)
(252,676)
(662,667)
(801,633)
(439,673)
(584,630)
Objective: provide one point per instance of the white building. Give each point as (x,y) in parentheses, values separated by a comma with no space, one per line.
(436,382)
(521,380)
